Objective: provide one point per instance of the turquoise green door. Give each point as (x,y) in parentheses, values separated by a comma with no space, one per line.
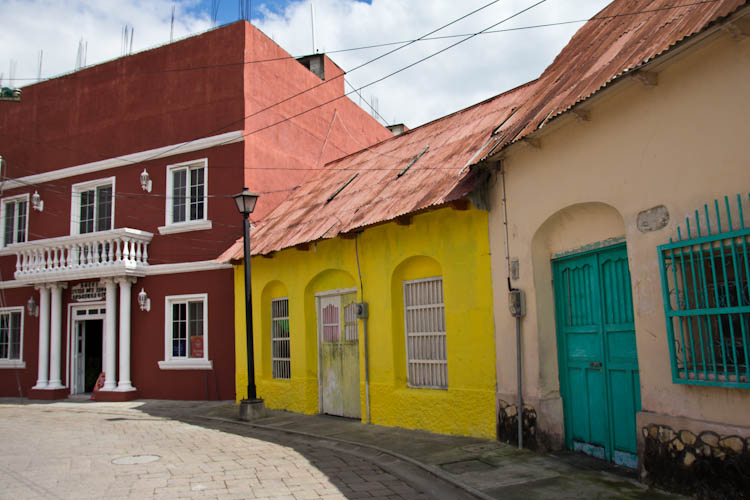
(599,380)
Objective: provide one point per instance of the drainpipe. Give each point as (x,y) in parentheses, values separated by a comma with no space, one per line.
(517,305)
(363,314)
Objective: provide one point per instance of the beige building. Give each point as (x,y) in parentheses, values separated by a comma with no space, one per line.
(593,174)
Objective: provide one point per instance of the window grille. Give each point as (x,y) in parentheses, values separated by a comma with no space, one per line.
(351,331)
(424,316)
(280,354)
(706,289)
(331,323)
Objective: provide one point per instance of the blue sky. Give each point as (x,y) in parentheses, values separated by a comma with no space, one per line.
(229,9)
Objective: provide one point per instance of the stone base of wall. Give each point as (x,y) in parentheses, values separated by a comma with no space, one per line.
(705,463)
(543,423)
(507,424)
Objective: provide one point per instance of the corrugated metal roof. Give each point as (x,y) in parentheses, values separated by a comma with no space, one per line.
(378,193)
(611,44)
(624,36)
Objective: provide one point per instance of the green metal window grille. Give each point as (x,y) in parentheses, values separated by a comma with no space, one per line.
(705,278)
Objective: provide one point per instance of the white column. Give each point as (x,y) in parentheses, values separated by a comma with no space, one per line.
(125,289)
(43,369)
(55,381)
(110,340)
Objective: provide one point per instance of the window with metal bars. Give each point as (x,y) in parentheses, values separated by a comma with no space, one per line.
(10,334)
(424,318)
(706,286)
(281,366)
(15,220)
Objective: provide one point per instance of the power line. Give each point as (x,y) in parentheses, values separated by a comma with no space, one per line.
(373,46)
(467,37)
(289,98)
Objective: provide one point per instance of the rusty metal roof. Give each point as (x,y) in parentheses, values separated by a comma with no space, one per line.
(437,155)
(623,37)
(620,39)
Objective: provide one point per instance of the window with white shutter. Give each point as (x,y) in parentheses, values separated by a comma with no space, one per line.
(424,317)
(280,357)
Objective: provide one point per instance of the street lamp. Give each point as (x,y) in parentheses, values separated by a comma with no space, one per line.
(252,406)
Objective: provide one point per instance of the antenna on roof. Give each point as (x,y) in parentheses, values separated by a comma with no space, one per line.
(81,54)
(12,72)
(214,12)
(312,22)
(244,7)
(171,26)
(39,72)
(127,40)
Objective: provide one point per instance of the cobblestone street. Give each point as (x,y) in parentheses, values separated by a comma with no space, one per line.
(85,450)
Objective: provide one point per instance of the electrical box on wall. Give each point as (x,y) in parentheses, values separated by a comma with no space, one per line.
(517,303)
(362,310)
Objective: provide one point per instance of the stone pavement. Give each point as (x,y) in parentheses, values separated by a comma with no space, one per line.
(76,450)
(200,450)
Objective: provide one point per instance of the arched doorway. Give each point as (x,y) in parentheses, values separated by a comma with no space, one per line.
(594,330)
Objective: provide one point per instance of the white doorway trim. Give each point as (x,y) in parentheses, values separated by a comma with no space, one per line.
(72,318)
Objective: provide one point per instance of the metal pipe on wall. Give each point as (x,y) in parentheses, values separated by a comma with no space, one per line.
(519,359)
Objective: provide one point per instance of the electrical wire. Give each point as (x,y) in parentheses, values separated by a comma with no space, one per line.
(77,75)
(356,90)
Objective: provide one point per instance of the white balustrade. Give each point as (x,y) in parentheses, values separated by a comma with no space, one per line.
(95,254)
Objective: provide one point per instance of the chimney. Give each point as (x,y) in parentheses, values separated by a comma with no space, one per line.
(397,129)
(315,64)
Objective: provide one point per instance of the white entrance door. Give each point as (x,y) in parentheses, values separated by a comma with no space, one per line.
(339,355)
(87,346)
(79,357)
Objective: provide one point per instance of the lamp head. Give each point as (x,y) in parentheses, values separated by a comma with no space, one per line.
(245,201)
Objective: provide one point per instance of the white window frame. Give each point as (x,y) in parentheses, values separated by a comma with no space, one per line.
(3,209)
(75,202)
(171,363)
(443,334)
(14,363)
(204,223)
(288,361)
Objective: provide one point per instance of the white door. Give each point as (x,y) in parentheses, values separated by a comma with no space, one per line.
(79,358)
(339,355)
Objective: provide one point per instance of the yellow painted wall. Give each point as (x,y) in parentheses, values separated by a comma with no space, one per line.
(680,144)
(445,242)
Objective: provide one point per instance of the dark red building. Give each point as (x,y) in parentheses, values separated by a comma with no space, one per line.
(116,199)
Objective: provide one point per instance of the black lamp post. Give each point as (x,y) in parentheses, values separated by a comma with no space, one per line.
(246,204)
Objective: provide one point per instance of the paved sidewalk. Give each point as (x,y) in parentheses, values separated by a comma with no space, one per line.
(485,468)
(146,449)
(177,449)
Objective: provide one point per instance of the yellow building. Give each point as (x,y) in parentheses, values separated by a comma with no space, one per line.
(391,227)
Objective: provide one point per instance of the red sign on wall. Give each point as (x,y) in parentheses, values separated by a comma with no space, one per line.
(196,346)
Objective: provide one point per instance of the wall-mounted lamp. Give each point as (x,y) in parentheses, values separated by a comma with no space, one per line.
(37,203)
(32,307)
(144,301)
(145,181)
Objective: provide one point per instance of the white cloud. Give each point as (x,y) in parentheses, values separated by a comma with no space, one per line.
(56,26)
(472,71)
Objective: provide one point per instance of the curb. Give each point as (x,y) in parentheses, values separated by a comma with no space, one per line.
(435,471)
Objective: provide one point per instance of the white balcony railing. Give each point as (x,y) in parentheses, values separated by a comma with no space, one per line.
(119,252)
